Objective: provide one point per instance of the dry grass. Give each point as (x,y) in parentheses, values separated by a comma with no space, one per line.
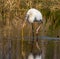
(12,15)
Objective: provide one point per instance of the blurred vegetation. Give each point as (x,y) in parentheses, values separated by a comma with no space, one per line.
(12,16)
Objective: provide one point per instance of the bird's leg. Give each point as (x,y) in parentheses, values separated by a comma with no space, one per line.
(38,29)
(32,38)
(37,45)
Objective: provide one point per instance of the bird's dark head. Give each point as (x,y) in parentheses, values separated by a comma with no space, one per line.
(27,17)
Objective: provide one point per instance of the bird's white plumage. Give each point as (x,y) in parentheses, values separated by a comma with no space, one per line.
(33,13)
(31,56)
(38,57)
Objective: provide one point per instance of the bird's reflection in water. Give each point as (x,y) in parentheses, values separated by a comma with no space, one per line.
(35,56)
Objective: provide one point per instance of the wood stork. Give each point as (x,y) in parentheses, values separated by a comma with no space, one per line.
(33,15)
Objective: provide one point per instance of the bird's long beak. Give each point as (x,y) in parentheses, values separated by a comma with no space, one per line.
(24,24)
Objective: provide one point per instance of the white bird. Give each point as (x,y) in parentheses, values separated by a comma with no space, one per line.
(38,57)
(30,56)
(33,15)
